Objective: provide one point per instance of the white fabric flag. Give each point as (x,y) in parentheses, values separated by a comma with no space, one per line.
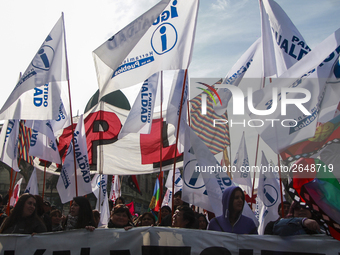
(199,162)
(16,193)
(140,117)
(9,144)
(174,105)
(282,43)
(99,189)
(66,183)
(178,184)
(41,126)
(115,188)
(32,185)
(160,39)
(284,123)
(268,194)
(37,94)
(242,175)
(235,76)
(44,148)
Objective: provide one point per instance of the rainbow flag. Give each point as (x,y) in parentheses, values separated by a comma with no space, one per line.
(155,203)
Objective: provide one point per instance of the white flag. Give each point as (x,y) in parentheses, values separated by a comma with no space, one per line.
(235,76)
(16,193)
(160,39)
(199,162)
(115,188)
(140,117)
(44,148)
(242,175)
(9,144)
(268,194)
(66,183)
(178,184)
(37,94)
(41,126)
(32,185)
(290,107)
(174,104)
(99,189)
(282,43)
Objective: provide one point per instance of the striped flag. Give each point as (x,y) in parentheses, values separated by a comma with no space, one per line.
(25,134)
(155,200)
(215,138)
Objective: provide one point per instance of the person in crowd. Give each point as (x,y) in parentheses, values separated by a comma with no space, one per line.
(56,217)
(184,217)
(269,227)
(23,218)
(167,220)
(165,210)
(202,221)
(232,219)
(80,216)
(147,219)
(96,216)
(299,221)
(120,217)
(42,214)
(47,207)
(120,201)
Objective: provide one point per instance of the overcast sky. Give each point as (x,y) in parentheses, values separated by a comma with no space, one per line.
(225,29)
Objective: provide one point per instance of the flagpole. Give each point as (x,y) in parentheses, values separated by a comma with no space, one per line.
(9,193)
(257,149)
(161,150)
(69,96)
(177,133)
(43,191)
(281,195)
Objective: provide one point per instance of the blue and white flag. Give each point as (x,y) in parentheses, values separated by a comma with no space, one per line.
(282,43)
(268,195)
(242,175)
(9,144)
(99,189)
(43,147)
(204,179)
(66,183)
(140,117)
(174,105)
(37,94)
(178,184)
(32,185)
(289,109)
(160,39)
(235,76)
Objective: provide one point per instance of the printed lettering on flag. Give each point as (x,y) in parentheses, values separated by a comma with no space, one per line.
(163,42)
(37,94)
(9,144)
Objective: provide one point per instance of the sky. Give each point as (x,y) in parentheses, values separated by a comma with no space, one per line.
(225,29)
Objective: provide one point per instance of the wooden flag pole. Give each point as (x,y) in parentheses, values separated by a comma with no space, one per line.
(161,152)
(281,195)
(177,133)
(69,96)
(43,191)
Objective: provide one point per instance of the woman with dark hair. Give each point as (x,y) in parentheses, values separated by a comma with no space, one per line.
(56,217)
(120,217)
(80,216)
(202,221)
(184,217)
(24,218)
(232,219)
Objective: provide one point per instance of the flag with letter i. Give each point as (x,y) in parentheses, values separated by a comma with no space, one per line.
(163,42)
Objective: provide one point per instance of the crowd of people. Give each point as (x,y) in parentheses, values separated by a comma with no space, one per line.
(32,215)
